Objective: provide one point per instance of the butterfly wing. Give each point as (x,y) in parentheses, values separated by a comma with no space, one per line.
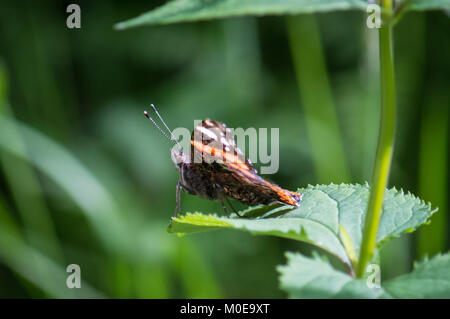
(213,145)
(251,189)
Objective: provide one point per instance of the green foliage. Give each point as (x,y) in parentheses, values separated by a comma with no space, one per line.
(329,216)
(304,277)
(43,271)
(193,10)
(429,279)
(82,182)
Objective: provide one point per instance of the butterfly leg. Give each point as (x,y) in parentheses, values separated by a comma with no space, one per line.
(224,207)
(177,201)
(234,209)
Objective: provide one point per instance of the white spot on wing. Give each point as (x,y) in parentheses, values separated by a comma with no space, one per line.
(224,141)
(207,132)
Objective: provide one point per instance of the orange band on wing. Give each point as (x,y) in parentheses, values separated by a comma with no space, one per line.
(236,163)
(218,153)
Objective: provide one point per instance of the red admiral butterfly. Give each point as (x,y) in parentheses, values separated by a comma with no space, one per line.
(217,169)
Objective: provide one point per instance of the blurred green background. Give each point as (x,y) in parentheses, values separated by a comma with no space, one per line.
(85,179)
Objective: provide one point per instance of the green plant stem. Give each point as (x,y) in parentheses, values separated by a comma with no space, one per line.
(385,145)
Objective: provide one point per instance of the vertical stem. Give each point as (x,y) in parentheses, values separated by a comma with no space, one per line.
(385,145)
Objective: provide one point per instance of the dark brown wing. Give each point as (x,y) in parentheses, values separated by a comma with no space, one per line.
(252,189)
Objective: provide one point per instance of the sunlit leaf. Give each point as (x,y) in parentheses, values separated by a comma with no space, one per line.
(193,10)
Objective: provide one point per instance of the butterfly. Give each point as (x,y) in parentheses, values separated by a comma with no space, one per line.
(216,169)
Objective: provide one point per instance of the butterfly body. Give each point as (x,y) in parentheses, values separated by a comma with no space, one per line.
(196,179)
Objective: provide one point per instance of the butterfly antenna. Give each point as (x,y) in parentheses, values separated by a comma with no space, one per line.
(171,137)
(164,123)
(154,123)
(160,117)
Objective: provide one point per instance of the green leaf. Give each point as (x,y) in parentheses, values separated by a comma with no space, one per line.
(194,10)
(329,216)
(304,277)
(429,279)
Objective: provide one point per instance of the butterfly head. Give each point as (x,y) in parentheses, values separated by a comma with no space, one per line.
(178,157)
